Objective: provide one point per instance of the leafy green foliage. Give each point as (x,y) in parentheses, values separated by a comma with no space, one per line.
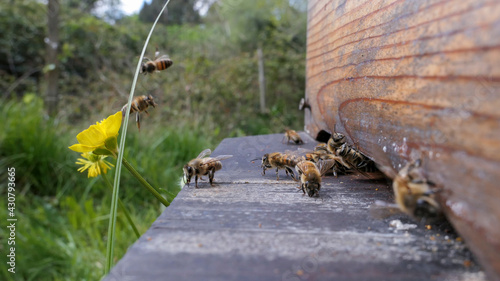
(179,12)
(21,55)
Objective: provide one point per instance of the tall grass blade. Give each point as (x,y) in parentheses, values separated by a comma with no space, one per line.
(116,184)
(124,209)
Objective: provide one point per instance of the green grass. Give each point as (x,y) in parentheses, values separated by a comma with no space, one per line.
(63,215)
(64,239)
(30,142)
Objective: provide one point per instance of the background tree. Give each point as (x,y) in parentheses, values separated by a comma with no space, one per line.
(51,61)
(178,12)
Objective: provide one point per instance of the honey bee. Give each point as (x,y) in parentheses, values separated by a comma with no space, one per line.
(356,160)
(321,147)
(310,175)
(413,193)
(279,161)
(159,63)
(201,166)
(292,135)
(335,141)
(303,104)
(139,104)
(337,163)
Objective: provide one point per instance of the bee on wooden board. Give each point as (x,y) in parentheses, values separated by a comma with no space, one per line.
(139,104)
(159,63)
(414,194)
(356,159)
(201,166)
(321,148)
(292,135)
(335,141)
(337,145)
(279,161)
(338,164)
(310,175)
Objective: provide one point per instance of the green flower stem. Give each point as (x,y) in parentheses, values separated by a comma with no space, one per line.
(144,182)
(122,207)
(116,183)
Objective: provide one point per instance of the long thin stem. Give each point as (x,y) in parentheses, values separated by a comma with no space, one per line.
(122,207)
(149,187)
(116,186)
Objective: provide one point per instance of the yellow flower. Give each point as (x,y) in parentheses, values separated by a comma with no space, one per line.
(94,163)
(100,134)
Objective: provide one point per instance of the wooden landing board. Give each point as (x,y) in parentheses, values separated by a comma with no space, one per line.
(416,79)
(252,227)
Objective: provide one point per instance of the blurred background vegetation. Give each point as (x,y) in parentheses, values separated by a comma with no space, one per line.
(210,93)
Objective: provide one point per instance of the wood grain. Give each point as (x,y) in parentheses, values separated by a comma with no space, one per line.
(417,79)
(249,226)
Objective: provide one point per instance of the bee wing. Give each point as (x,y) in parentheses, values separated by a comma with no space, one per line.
(163,57)
(304,150)
(301,152)
(294,152)
(157,52)
(325,165)
(214,159)
(205,153)
(124,110)
(222,157)
(297,155)
(298,168)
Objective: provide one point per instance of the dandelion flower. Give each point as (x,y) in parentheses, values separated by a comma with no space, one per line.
(94,163)
(99,135)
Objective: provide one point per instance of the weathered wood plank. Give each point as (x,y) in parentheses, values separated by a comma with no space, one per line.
(252,227)
(417,79)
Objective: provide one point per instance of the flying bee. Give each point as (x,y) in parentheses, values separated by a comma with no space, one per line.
(310,175)
(159,63)
(414,194)
(292,135)
(139,104)
(279,161)
(304,104)
(201,166)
